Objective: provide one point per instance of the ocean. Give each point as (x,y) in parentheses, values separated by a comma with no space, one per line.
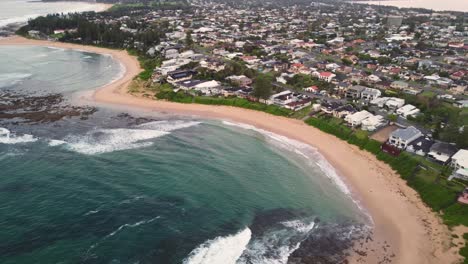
(94,184)
(19,11)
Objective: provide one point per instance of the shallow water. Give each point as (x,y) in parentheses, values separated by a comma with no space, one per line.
(152,188)
(19,11)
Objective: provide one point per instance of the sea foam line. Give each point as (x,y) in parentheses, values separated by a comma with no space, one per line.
(310,154)
(109,140)
(6,137)
(226,250)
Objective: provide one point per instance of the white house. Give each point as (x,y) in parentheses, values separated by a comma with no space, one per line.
(460,160)
(370,94)
(357,118)
(390,102)
(407,110)
(373,122)
(401,138)
(324,76)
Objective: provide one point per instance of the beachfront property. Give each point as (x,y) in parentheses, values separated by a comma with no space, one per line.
(290,100)
(421,146)
(460,164)
(402,137)
(373,122)
(343,111)
(441,152)
(180,75)
(204,87)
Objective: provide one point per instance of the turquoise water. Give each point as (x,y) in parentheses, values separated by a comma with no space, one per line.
(39,70)
(141,188)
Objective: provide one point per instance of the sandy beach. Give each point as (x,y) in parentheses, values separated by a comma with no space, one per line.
(405,231)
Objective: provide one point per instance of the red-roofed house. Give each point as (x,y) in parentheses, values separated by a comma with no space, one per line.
(324,76)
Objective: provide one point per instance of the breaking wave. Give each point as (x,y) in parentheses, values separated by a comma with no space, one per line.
(110,140)
(276,245)
(6,137)
(226,250)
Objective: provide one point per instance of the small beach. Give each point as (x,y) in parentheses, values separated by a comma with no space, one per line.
(402,223)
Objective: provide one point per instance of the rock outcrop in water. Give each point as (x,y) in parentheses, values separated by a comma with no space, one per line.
(18,109)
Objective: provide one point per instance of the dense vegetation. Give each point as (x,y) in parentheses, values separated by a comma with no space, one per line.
(182,97)
(441,117)
(427,178)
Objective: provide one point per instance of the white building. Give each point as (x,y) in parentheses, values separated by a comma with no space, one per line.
(357,118)
(370,94)
(373,122)
(460,160)
(402,137)
(390,102)
(407,110)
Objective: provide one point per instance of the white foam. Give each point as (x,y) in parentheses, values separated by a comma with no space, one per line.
(54,142)
(10,79)
(6,137)
(169,126)
(226,250)
(275,246)
(300,225)
(109,140)
(133,225)
(91,212)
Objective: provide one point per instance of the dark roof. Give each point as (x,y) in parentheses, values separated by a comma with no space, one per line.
(422,143)
(181,74)
(446,148)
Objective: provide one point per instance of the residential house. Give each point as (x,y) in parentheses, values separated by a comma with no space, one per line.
(407,110)
(400,85)
(421,146)
(343,111)
(373,122)
(402,137)
(390,102)
(356,119)
(329,107)
(324,76)
(180,75)
(460,160)
(240,80)
(354,92)
(461,103)
(370,94)
(460,164)
(442,152)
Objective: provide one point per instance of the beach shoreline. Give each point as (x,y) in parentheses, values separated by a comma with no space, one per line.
(405,230)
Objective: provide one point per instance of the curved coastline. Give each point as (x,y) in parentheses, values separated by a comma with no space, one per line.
(413,232)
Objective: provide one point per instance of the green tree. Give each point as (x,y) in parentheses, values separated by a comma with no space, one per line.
(262,86)
(188,39)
